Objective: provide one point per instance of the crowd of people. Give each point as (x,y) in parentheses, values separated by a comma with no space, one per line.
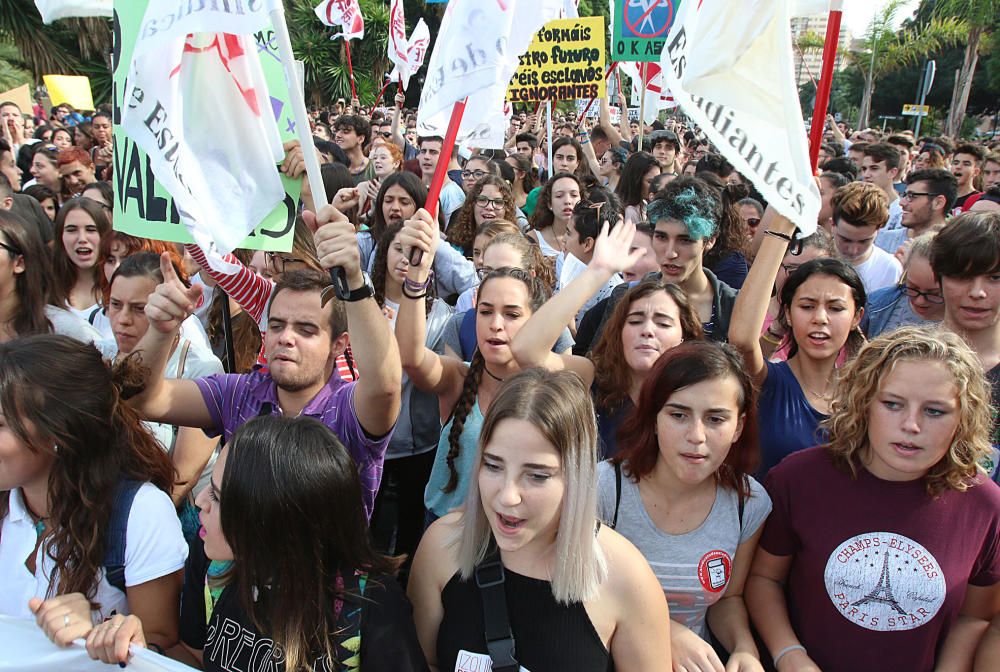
(612,412)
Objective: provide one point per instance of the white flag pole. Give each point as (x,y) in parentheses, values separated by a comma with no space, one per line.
(548,125)
(296,96)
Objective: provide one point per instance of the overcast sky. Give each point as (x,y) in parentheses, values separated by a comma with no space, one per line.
(858,13)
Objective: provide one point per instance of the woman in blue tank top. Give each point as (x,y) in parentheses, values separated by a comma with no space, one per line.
(506,299)
(578,596)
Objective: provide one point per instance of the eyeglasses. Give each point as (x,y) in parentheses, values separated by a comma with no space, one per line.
(929,297)
(11,248)
(486,202)
(278,261)
(385,134)
(910,195)
(475,174)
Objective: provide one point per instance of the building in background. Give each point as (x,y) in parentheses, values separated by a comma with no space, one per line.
(808,33)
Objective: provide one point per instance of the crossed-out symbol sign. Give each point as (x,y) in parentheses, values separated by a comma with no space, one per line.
(647,18)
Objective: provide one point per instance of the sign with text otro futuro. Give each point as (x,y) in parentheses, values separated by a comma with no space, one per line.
(564,62)
(640,28)
(142,206)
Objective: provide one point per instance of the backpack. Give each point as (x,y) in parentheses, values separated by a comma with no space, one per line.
(114,556)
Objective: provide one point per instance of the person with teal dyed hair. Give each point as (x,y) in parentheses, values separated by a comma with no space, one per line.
(685,215)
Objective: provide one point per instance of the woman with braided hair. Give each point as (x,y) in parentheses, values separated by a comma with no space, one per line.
(507,298)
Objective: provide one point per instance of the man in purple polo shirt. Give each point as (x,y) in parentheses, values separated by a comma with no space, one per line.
(304,337)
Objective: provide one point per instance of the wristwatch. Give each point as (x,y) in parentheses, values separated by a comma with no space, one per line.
(365,291)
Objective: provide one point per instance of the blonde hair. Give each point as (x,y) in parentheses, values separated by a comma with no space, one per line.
(860,380)
(558,405)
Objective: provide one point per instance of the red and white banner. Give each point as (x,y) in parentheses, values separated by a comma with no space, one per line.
(657,94)
(198,105)
(344,13)
(735,79)
(475,56)
(53,10)
(407,55)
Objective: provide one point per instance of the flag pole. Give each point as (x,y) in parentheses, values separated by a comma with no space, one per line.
(825,81)
(400,89)
(378,98)
(297,99)
(441,170)
(548,126)
(642,105)
(611,68)
(350,67)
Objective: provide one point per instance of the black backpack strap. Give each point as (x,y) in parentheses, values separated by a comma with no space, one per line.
(114,556)
(618,493)
(740,507)
(499,637)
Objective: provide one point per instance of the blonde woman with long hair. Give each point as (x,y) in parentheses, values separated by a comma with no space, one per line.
(578,595)
(884,543)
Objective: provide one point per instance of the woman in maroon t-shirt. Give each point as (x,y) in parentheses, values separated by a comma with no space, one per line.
(884,545)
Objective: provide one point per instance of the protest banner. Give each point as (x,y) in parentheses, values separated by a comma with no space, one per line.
(53,10)
(142,206)
(565,61)
(25,648)
(736,81)
(21,96)
(70,89)
(640,28)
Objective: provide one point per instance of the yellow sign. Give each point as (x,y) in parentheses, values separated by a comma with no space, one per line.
(564,62)
(912,110)
(21,96)
(70,89)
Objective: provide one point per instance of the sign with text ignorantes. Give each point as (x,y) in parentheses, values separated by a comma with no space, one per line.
(640,28)
(142,206)
(564,62)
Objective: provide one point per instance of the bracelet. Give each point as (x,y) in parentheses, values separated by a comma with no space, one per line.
(413,296)
(787,649)
(417,286)
(777,234)
(770,338)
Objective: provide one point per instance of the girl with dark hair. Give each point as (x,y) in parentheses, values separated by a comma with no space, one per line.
(680,490)
(553,213)
(28,303)
(86,519)
(575,594)
(478,167)
(46,198)
(820,307)
(488,200)
(727,258)
(327,601)
(648,321)
(634,186)
(101,193)
(81,227)
(62,138)
(44,169)
(612,163)
(525,180)
(506,299)
(884,543)
(190,450)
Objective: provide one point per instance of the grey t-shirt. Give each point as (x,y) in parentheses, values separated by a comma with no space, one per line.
(694,569)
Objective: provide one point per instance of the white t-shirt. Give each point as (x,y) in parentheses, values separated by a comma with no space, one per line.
(154,547)
(881,269)
(452,198)
(895,220)
(67,323)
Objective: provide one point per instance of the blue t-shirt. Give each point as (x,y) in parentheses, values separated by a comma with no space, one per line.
(787,423)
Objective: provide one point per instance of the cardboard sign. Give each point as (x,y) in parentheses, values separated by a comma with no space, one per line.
(21,96)
(564,62)
(142,206)
(640,28)
(70,89)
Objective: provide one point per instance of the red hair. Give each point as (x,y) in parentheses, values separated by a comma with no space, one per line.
(71,154)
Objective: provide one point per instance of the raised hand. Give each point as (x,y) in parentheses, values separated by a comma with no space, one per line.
(336,243)
(172,302)
(294,164)
(611,249)
(346,198)
(420,232)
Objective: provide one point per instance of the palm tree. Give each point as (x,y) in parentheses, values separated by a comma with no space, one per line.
(886,50)
(980,17)
(804,43)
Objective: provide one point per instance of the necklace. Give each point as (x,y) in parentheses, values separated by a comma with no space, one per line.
(825,396)
(490,374)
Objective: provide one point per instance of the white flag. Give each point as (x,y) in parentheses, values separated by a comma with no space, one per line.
(198,105)
(53,10)
(407,55)
(734,77)
(657,94)
(343,13)
(476,54)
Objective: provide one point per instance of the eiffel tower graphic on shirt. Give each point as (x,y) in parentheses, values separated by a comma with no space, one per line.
(882,592)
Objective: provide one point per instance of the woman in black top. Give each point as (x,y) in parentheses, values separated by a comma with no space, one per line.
(284,575)
(578,596)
